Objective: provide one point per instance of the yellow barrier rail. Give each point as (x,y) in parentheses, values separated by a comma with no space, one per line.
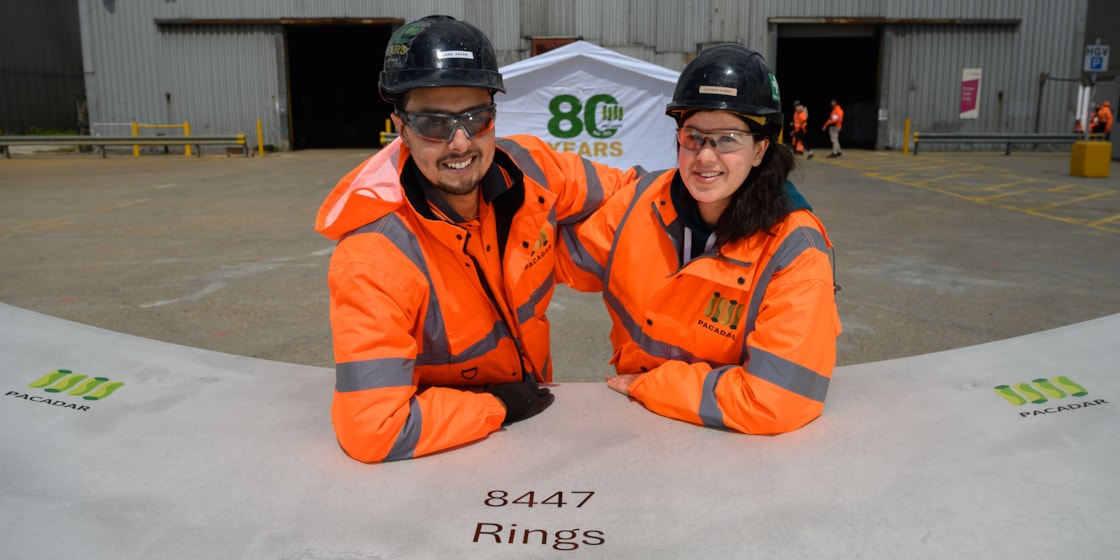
(185,127)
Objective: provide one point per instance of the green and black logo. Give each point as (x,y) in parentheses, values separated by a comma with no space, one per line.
(1042,390)
(76,384)
(1038,390)
(63,382)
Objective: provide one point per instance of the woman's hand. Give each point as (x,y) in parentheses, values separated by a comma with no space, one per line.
(621,383)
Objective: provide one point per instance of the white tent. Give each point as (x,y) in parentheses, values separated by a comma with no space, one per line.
(587,99)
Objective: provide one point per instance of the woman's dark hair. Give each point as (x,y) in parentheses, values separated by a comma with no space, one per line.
(762,201)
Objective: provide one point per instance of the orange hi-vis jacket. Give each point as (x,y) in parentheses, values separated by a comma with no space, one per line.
(1105,116)
(421,305)
(801,120)
(835,118)
(742,339)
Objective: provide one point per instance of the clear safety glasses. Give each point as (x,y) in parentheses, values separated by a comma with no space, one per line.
(723,141)
(441,127)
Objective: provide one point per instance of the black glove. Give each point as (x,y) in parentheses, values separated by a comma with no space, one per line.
(522,399)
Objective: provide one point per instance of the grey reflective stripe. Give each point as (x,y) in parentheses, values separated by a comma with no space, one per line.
(788,375)
(578,253)
(594,196)
(527,310)
(648,345)
(797,242)
(524,161)
(477,350)
(372,374)
(639,190)
(434,350)
(435,334)
(710,412)
(405,446)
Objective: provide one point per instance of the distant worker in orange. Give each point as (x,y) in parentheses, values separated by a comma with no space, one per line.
(833,125)
(800,126)
(1102,122)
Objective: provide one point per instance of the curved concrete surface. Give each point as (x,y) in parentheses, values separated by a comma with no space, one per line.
(186,453)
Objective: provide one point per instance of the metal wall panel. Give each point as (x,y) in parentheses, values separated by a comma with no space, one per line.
(40,65)
(925,63)
(224,77)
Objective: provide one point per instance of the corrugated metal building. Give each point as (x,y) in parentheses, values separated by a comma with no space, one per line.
(308,70)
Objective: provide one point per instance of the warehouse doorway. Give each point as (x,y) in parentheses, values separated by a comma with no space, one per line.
(332,85)
(817,63)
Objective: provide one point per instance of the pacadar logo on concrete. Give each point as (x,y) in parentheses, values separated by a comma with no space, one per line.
(64,381)
(76,384)
(1042,390)
(599,116)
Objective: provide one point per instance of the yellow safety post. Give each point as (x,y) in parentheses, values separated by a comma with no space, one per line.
(187,132)
(260,140)
(388,131)
(906,138)
(1090,158)
(135,132)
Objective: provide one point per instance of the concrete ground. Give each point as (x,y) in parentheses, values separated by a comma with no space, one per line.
(934,252)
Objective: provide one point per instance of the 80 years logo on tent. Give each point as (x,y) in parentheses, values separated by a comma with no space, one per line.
(601,116)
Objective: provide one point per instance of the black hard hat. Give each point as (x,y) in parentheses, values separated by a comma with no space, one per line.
(438,51)
(729,77)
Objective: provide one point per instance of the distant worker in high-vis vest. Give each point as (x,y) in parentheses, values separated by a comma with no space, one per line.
(1102,120)
(448,240)
(800,130)
(833,125)
(716,274)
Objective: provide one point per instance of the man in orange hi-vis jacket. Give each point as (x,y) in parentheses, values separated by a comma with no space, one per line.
(1102,121)
(833,125)
(448,240)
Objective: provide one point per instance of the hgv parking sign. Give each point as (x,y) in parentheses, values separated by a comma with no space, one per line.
(1096,58)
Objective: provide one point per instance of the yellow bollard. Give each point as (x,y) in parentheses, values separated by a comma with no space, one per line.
(260,140)
(187,132)
(135,132)
(906,138)
(1090,159)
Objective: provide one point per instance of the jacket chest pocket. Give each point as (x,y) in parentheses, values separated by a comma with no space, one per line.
(707,322)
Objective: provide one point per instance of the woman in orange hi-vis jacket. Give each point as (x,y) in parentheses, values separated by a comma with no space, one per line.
(717,276)
(447,244)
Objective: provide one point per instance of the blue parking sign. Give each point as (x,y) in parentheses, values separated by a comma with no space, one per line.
(1096,58)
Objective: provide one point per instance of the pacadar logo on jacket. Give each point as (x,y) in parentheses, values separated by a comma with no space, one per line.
(540,248)
(722,315)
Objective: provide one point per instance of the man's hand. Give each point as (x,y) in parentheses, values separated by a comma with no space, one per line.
(522,399)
